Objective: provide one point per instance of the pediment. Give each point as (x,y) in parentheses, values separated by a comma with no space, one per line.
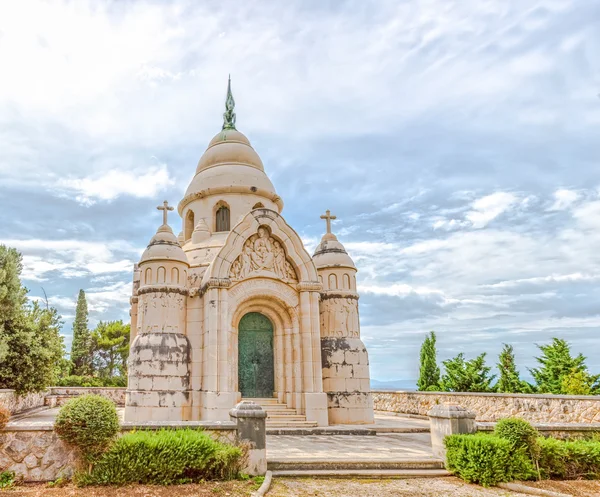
(263,255)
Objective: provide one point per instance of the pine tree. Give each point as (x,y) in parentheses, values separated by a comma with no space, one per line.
(557,365)
(467,376)
(110,348)
(429,372)
(81,348)
(509,381)
(30,342)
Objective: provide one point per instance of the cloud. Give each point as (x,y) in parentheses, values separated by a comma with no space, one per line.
(114,183)
(563,199)
(488,208)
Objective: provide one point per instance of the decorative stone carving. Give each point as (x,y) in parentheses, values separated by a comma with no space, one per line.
(262,255)
(339,318)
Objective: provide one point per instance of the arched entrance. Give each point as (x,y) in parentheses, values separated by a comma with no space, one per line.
(256,376)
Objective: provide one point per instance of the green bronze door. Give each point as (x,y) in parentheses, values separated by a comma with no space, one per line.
(255,356)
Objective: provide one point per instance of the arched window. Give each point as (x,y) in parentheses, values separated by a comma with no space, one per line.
(189,224)
(346,281)
(148,276)
(174,276)
(222,219)
(161,275)
(333,284)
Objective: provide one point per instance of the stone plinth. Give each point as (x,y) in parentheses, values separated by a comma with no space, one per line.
(448,419)
(251,429)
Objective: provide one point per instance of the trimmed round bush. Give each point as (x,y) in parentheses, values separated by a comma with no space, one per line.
(517,431)
(90,423)
(4,417)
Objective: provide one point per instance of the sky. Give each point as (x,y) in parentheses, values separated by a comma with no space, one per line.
(457,142)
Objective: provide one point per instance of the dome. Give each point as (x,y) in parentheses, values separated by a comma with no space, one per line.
(230,165)
(330,253)
(164,246)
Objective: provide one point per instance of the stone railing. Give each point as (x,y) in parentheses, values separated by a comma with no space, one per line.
(490,407)
(18,403)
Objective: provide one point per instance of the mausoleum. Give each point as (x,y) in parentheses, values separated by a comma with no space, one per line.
(235,308)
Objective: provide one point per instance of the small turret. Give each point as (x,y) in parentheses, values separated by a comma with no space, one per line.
(345,361)
(158,387)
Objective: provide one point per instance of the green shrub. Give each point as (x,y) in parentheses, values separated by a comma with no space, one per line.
(165,457)
(7,479)
(569,459)
(517,431)
(4,416)
(486,459)
(90,423)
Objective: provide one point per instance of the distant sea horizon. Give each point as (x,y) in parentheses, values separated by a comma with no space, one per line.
(393,384)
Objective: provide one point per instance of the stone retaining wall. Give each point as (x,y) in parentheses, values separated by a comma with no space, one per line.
(35,453)
(494,406)
(17,403)
(62,394)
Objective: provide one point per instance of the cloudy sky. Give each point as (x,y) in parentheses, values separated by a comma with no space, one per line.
(458,142)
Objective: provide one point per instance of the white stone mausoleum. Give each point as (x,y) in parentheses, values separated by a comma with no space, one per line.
(235,307)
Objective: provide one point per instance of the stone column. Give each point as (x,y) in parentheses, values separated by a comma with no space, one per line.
(448,419)
(251,429)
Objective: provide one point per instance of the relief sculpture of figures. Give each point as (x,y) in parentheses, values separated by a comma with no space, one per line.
(262,253)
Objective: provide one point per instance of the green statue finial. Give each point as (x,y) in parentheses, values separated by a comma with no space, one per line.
(229,115)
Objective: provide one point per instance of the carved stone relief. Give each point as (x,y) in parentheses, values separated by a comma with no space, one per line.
(339,318)
(261,255)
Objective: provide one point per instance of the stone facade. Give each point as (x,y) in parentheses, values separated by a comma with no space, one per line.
(59,395)
(236,255)
(495,406)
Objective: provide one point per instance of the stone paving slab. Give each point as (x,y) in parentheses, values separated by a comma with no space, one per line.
(384,447)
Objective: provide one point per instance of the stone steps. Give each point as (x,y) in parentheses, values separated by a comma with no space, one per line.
(280,416)
(362,473)
(313,465)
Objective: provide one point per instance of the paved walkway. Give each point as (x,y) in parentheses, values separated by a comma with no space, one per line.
(385,447)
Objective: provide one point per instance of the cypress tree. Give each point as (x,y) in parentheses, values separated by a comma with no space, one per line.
(429,372)
(509,381)
(81,348)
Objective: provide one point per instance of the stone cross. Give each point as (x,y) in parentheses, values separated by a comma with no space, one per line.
(328,218)
(165,208)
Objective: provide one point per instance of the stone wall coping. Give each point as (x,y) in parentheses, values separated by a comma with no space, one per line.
(198,425)
(593,427)
(127,426)
(595,398)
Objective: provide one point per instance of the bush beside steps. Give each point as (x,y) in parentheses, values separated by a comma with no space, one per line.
(515,451)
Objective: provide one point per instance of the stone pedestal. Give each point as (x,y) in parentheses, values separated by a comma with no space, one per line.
(448,419)
(251,428)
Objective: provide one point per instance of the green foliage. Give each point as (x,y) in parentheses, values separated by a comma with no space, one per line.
(90,423)
(81,348)
(509,381)
(560,373)
(467,376)
(7,479)
(30,341)
(486,459)
(429,372)
(110,348)
(165,457)
(91,381)
(517,431)
(569,460)
(4,416)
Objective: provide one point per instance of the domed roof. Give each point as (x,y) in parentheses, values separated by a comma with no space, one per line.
(230,165)
(164,246)
(330,253)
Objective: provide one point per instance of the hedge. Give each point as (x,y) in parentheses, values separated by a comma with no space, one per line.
(486,459)
(165,457)
(569,459)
